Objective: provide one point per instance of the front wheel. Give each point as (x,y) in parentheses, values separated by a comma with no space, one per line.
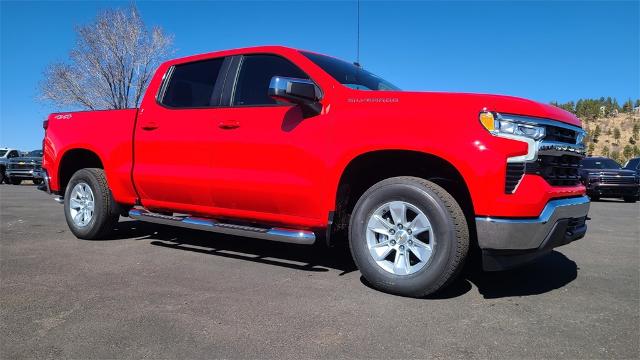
(89,207)
(630,199)
(15,181)
(408,236)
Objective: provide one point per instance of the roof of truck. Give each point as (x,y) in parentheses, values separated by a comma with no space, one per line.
(276,49)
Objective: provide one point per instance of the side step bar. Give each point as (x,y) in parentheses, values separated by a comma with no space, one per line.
(304,237)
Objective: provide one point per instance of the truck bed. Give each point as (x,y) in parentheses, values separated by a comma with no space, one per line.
(108,133)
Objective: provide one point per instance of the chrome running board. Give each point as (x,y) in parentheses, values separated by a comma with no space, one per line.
(304,237)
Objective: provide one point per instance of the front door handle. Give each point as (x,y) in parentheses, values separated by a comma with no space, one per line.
(229,124)
(149,126)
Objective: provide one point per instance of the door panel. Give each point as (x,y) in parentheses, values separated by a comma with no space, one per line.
(174,140)
(271,163)
(268,158)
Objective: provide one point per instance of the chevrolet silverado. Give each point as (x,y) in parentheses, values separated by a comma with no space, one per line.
(294,146)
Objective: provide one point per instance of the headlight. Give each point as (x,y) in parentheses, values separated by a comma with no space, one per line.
(498,125)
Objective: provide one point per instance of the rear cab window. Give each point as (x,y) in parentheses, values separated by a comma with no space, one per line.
(191,85)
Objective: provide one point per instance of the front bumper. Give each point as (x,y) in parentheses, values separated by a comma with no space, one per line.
(23,174)
(613,190)
(507,242)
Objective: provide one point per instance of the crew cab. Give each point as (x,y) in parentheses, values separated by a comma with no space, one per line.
(290,145)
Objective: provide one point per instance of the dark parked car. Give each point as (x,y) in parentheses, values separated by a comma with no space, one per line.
(25,168)
(604,177)
(633,165)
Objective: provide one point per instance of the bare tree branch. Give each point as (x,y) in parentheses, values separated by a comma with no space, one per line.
(111,64)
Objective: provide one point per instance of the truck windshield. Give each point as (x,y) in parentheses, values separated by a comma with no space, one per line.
(35,153)
(348,74)
(600,164)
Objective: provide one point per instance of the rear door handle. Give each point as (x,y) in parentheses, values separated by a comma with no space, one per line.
(151,125)
(229,124)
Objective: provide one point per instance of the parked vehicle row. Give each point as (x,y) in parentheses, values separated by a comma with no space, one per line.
(15,168)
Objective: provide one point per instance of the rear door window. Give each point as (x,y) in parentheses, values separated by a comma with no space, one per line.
(192,84)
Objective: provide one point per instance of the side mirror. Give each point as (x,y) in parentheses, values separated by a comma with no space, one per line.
(301,92)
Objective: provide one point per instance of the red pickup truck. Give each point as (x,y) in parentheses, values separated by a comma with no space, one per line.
(288,145)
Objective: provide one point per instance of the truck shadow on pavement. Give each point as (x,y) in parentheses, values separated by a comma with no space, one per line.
(314,258)
(550,272)
(546,274)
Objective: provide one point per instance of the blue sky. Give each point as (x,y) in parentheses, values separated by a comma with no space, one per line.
(542,50)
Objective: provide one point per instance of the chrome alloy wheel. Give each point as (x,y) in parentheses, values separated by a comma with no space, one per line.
(399,238)
(81,204)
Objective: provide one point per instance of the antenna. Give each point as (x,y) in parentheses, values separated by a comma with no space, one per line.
(358,38)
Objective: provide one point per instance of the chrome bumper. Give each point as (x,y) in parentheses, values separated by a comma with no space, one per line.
(45,183)
(23,173)
(528,234)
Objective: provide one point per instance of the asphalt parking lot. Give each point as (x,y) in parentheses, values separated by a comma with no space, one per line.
(159,292)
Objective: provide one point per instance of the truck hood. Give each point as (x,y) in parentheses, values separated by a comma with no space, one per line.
(497,103)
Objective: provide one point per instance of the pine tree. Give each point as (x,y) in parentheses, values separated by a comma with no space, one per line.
(615,155)
(616,134)
(596,134)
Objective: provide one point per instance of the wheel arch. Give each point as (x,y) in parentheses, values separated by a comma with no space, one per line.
(73,160)
(370,167)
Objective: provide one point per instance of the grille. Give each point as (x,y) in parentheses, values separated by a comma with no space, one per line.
(515,172)
(556,170)
(617,180)
(27,166)
(560,134)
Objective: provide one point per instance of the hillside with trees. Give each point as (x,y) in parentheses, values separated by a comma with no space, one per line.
(613,130)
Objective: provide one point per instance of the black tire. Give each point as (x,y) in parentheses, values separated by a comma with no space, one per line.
(37,181)
(449,226)
(594,197)
(106,210)
(2,175)
(15,181)
(630,199)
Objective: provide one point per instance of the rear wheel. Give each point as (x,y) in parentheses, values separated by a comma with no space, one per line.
(2,175)
(15,181)
(89,207)
(630,199)
(408,236)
